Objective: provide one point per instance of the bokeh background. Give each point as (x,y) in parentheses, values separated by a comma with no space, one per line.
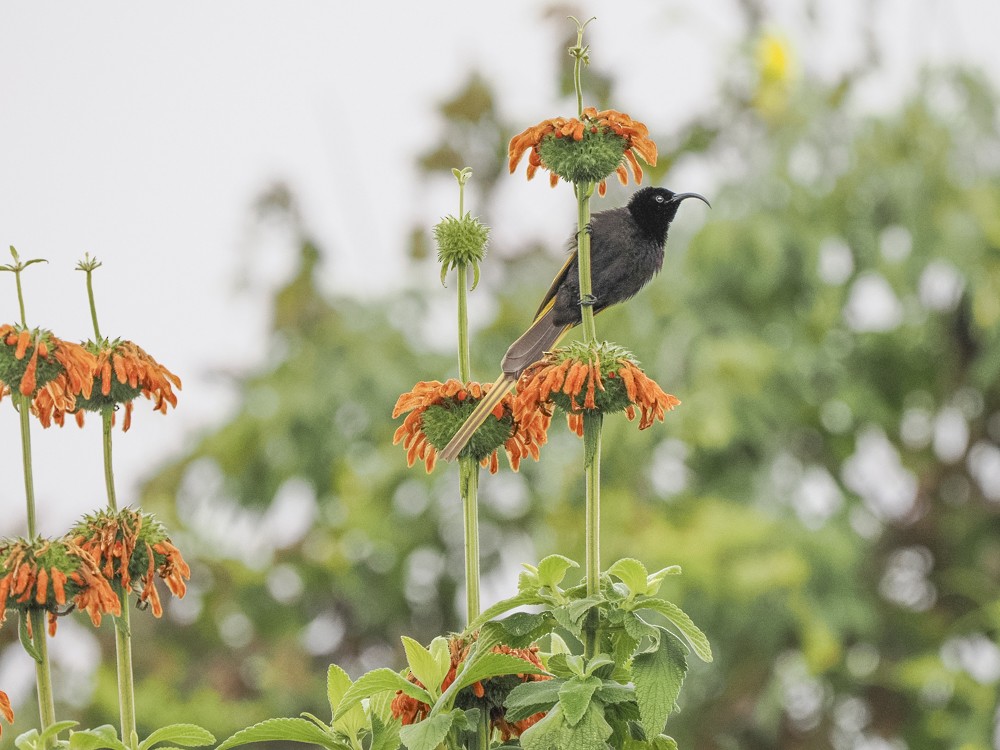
(260,180)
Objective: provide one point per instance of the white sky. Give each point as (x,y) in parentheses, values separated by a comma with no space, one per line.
(142,133)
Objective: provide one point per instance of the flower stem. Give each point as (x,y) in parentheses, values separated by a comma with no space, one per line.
(468,471)
(126,689)
(43,673)
(592,424)
(467,466)
(583,193)
(24,410)
(39,637)
(93,306)
(107,414)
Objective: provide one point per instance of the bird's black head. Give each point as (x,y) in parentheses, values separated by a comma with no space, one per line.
(654,208)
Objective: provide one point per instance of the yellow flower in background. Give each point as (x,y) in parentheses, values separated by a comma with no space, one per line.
(774,62)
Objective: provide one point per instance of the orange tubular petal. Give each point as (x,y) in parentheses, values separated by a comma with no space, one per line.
(23,341)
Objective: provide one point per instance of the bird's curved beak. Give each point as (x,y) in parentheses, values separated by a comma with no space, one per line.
(681,196)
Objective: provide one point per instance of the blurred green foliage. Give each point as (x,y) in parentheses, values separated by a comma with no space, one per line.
(830,484)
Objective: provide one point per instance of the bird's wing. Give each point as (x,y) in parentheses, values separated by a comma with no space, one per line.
(550,296)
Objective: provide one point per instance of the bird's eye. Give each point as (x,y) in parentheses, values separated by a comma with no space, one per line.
(659,199)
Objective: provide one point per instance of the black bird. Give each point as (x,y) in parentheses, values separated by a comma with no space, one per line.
(626,251)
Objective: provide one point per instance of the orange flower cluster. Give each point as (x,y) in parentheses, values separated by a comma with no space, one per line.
(525,439)
(173,570)
(574,378)
(75,365)
(410,711)
(83,375)
(112,540)
(634,133)
(5,709)
(127,364)
(28,581)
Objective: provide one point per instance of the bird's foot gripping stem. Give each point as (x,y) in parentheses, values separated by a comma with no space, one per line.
(588,300)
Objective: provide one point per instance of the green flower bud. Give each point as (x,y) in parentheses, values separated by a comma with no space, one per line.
(461,242)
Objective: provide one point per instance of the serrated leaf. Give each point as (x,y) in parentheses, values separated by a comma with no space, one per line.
(338,682)
(523,623)
(697,639)
(638,628)
(554,732)
(504,605)
(105,736)
(632,573)
(188,735)
(35,739)
(552,570)
(611,692)
(287,729)
(425,665)
(655,579)
(385,735)
(579,608)
(529,698)
(426,734)
(557,645)
(658,676)
(575,696)
(377,681)
(493,665)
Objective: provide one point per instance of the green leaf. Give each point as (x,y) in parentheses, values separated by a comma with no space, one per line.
(377,681)
(638,628)
(338,682)
(632,573)
(428,667)
(552,570)
(26,643)
(611,692)
(579,608)
(554,732)
(33,740)
(427,734)
(289,730)
(188,735)
(655,579)
(385,735)
(575,696)
(658,676)
(529,698)
(493,665)
(105,736)
(697,639)
(504,605)
(663,742)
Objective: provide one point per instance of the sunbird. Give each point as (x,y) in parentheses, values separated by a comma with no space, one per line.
(626,251)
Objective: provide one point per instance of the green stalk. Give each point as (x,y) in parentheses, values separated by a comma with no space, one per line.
(467,466)
(107,415)
(123,630)
(24,411)
(39,635)
(43,673)
(126,687)
(592,425)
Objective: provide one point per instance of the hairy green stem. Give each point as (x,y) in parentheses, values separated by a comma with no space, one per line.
(43,673)
(468,471)
(24,411)
(39,637)
(467,466)
(126,687)
(93,306)
(583,193)
(107,415)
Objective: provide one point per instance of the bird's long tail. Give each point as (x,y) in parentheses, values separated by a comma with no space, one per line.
(528,349)
(483,409)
